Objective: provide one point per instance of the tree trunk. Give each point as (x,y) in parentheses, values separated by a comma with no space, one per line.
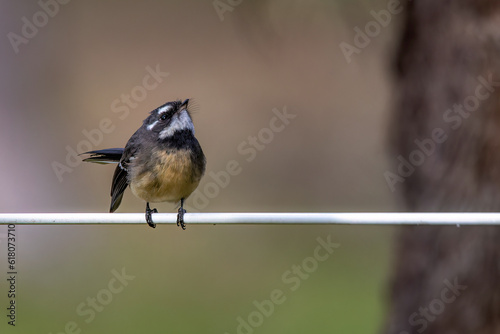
(447,129)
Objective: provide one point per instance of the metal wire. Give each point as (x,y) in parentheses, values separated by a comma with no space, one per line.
(274,218)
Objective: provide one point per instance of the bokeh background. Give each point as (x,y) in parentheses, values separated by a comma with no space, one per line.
(263,55)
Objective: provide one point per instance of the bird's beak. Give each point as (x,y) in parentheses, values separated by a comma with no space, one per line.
(185,103)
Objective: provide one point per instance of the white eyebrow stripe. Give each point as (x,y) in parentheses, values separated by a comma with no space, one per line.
(164,109)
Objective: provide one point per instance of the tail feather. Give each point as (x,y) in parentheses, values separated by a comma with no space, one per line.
(107,156)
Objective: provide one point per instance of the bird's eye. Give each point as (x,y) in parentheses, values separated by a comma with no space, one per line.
(163,117)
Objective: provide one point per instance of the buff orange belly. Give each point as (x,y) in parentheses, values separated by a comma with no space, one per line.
(170,180)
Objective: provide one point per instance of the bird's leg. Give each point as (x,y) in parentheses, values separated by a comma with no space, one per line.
(180,215)
(149,219)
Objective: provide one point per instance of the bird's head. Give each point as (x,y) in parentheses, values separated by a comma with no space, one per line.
(169,118)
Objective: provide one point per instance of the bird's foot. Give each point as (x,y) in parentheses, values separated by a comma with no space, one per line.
(149,218)
(180,218)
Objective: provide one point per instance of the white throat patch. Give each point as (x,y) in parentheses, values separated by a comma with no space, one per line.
(180,121)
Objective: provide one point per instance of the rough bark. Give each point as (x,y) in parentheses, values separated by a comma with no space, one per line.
(445,50)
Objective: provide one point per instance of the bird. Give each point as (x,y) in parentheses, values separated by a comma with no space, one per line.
(162,161)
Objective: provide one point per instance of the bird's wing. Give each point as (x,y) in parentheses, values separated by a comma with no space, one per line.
(120,177)
(118,186)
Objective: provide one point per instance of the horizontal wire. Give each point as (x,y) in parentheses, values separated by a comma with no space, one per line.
(260,218)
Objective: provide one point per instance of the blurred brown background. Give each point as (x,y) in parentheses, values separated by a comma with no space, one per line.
(262,55)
